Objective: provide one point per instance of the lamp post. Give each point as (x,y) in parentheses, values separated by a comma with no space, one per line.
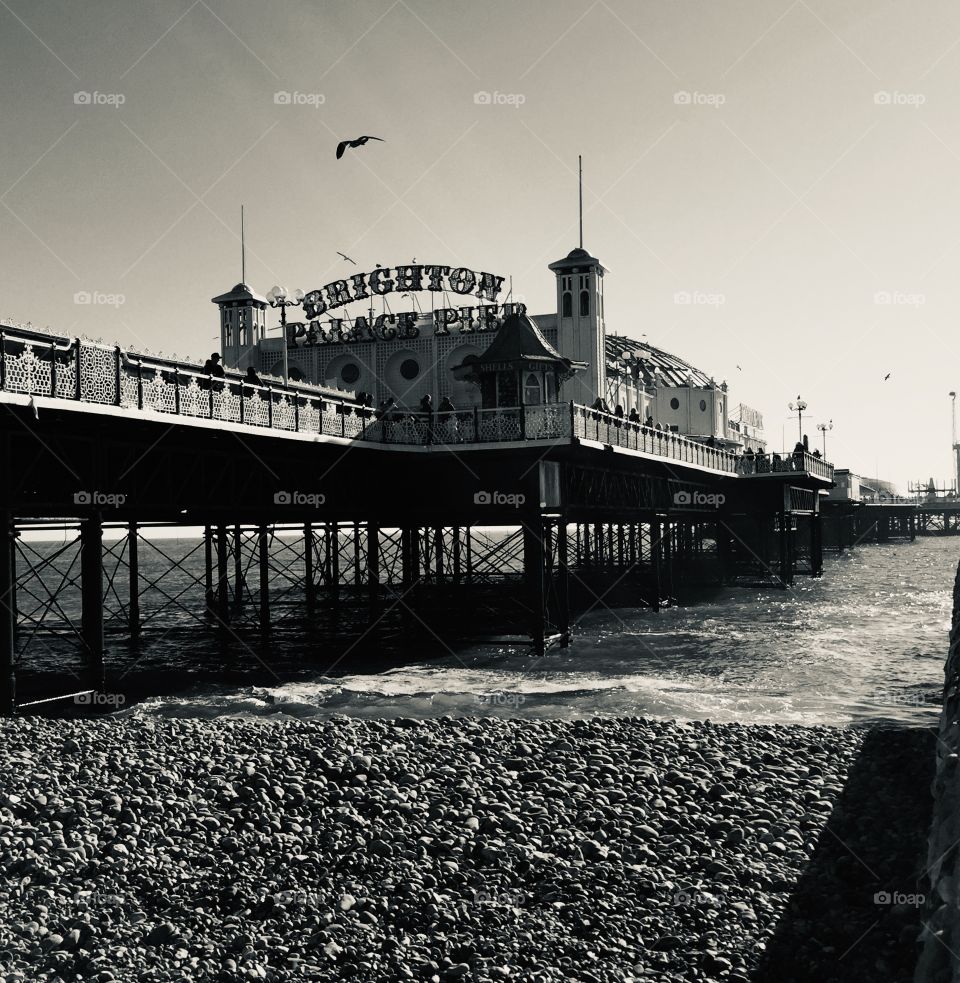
(279,297)
(798,406)
(823,428)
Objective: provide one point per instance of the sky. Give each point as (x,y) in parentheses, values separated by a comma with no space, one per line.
(772,184)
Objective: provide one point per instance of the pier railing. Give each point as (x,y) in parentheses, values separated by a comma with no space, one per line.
(90,372)
(619,431)
(780,463)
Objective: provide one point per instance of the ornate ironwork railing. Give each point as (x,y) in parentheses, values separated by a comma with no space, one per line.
(620,432)
(797,462)
(34,364)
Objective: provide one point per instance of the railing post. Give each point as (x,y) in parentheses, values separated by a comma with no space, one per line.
(270,406)
(117,357)
(476,425)
(176,390)
(3,360)
(343,420)
(79,365)
(139,383)
(296,412)
(523,422)
(8,611)
(573,420)
(243,415)
(210,377)
(53,368)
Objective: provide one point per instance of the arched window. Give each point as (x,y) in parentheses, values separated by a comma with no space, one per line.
(567,309)
(531,390)
(584,303)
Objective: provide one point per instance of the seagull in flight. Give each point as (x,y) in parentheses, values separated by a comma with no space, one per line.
(739,369)
(887,376)
(346,257)
(359,142)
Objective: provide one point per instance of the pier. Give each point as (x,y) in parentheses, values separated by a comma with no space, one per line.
(511,520)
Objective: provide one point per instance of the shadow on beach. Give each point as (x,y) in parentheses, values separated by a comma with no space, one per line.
(855,913)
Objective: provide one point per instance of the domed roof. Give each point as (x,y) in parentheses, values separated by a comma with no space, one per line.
(672,369)
(575,259)
(240,292)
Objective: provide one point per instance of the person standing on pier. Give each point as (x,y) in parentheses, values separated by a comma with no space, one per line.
(426,408)
(448,420)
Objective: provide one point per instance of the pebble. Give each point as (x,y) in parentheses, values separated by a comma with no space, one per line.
(441,849)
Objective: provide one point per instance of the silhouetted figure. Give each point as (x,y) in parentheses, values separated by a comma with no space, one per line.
(446,405)
(213,367)
(426,408)
(251,378)
(633,416)
(649,422)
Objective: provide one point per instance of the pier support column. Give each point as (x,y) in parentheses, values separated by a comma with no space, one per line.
(8,616)
(816,545)
(91,589)
(456,555)
(534,563)
(563,584)
(373,565)
(133,562)
(223,577)
(263,552)
(208,568)
(656,564)
(786,548)
(310,584)
(333,563)
(238,567)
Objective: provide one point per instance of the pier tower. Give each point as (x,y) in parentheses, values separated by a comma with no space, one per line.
(242,326)
(581,331)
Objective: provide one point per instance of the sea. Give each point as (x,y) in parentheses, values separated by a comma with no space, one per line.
(864,644)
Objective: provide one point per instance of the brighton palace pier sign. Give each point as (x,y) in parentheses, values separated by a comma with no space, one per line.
(402,280)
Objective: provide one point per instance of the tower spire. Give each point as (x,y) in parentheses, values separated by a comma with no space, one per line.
(580,169)
(243,251)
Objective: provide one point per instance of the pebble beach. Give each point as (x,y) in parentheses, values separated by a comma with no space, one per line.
(458,849)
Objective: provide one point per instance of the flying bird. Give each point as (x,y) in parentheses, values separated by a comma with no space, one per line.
(739,369)
(887,376)
(359,142)
(345,256)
